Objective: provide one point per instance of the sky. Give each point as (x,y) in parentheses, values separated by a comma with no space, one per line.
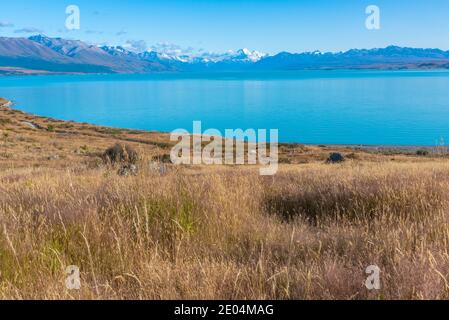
(269,26)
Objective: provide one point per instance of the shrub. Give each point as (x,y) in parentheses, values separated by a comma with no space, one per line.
(111,131)
(422,152)
(120,154)
(335,158)
(285,160)
(163,158)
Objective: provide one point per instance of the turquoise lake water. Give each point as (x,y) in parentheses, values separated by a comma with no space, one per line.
(322,107)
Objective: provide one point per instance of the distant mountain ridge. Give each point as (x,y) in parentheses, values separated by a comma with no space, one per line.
(73,56)
(392,57)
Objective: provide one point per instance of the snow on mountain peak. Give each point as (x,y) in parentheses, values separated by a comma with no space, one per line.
(167,52)
(248,55)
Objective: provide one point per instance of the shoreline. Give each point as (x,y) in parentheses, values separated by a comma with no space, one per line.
(5,103)
(11,71)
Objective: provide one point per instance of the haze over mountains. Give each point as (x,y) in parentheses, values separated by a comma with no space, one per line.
(73,56)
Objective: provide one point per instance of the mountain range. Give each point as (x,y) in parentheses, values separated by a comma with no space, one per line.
(40,53)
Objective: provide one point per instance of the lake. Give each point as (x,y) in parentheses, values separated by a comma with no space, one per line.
(320,107)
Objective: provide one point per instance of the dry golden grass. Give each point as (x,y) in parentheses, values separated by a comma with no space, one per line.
(214,232)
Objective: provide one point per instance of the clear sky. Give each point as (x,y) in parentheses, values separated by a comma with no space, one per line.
(266,25)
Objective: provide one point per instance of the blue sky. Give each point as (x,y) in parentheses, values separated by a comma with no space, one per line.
(266,25)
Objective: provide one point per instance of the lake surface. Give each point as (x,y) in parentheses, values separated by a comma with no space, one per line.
(322,107)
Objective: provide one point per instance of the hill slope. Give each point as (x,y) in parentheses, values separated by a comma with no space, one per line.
(214,232)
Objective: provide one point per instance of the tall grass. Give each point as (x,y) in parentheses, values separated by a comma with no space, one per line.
(226,233)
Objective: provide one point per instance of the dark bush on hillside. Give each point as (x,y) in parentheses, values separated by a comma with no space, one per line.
(335,158)
(422,152)
(119,154)
(163,158)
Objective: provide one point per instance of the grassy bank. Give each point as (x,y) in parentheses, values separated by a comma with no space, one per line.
(214,232)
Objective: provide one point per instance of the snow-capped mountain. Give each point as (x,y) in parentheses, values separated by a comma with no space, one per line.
(65,47)
(61,55)
(391,57)
(248,56)
(175,53)
(117,51)
(241,55)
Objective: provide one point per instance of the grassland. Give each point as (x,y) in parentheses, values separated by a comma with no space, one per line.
(215,232)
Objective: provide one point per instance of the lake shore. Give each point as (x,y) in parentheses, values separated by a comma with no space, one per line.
(383,149)
(304,115)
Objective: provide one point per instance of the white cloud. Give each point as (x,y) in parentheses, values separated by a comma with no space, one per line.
(93,32)
(136,45)
(121,33)
(28,30)
(173,49)
(5,24)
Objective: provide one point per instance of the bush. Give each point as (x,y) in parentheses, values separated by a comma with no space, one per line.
(335,158)
(163,158)
(422,152)
(120,154)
